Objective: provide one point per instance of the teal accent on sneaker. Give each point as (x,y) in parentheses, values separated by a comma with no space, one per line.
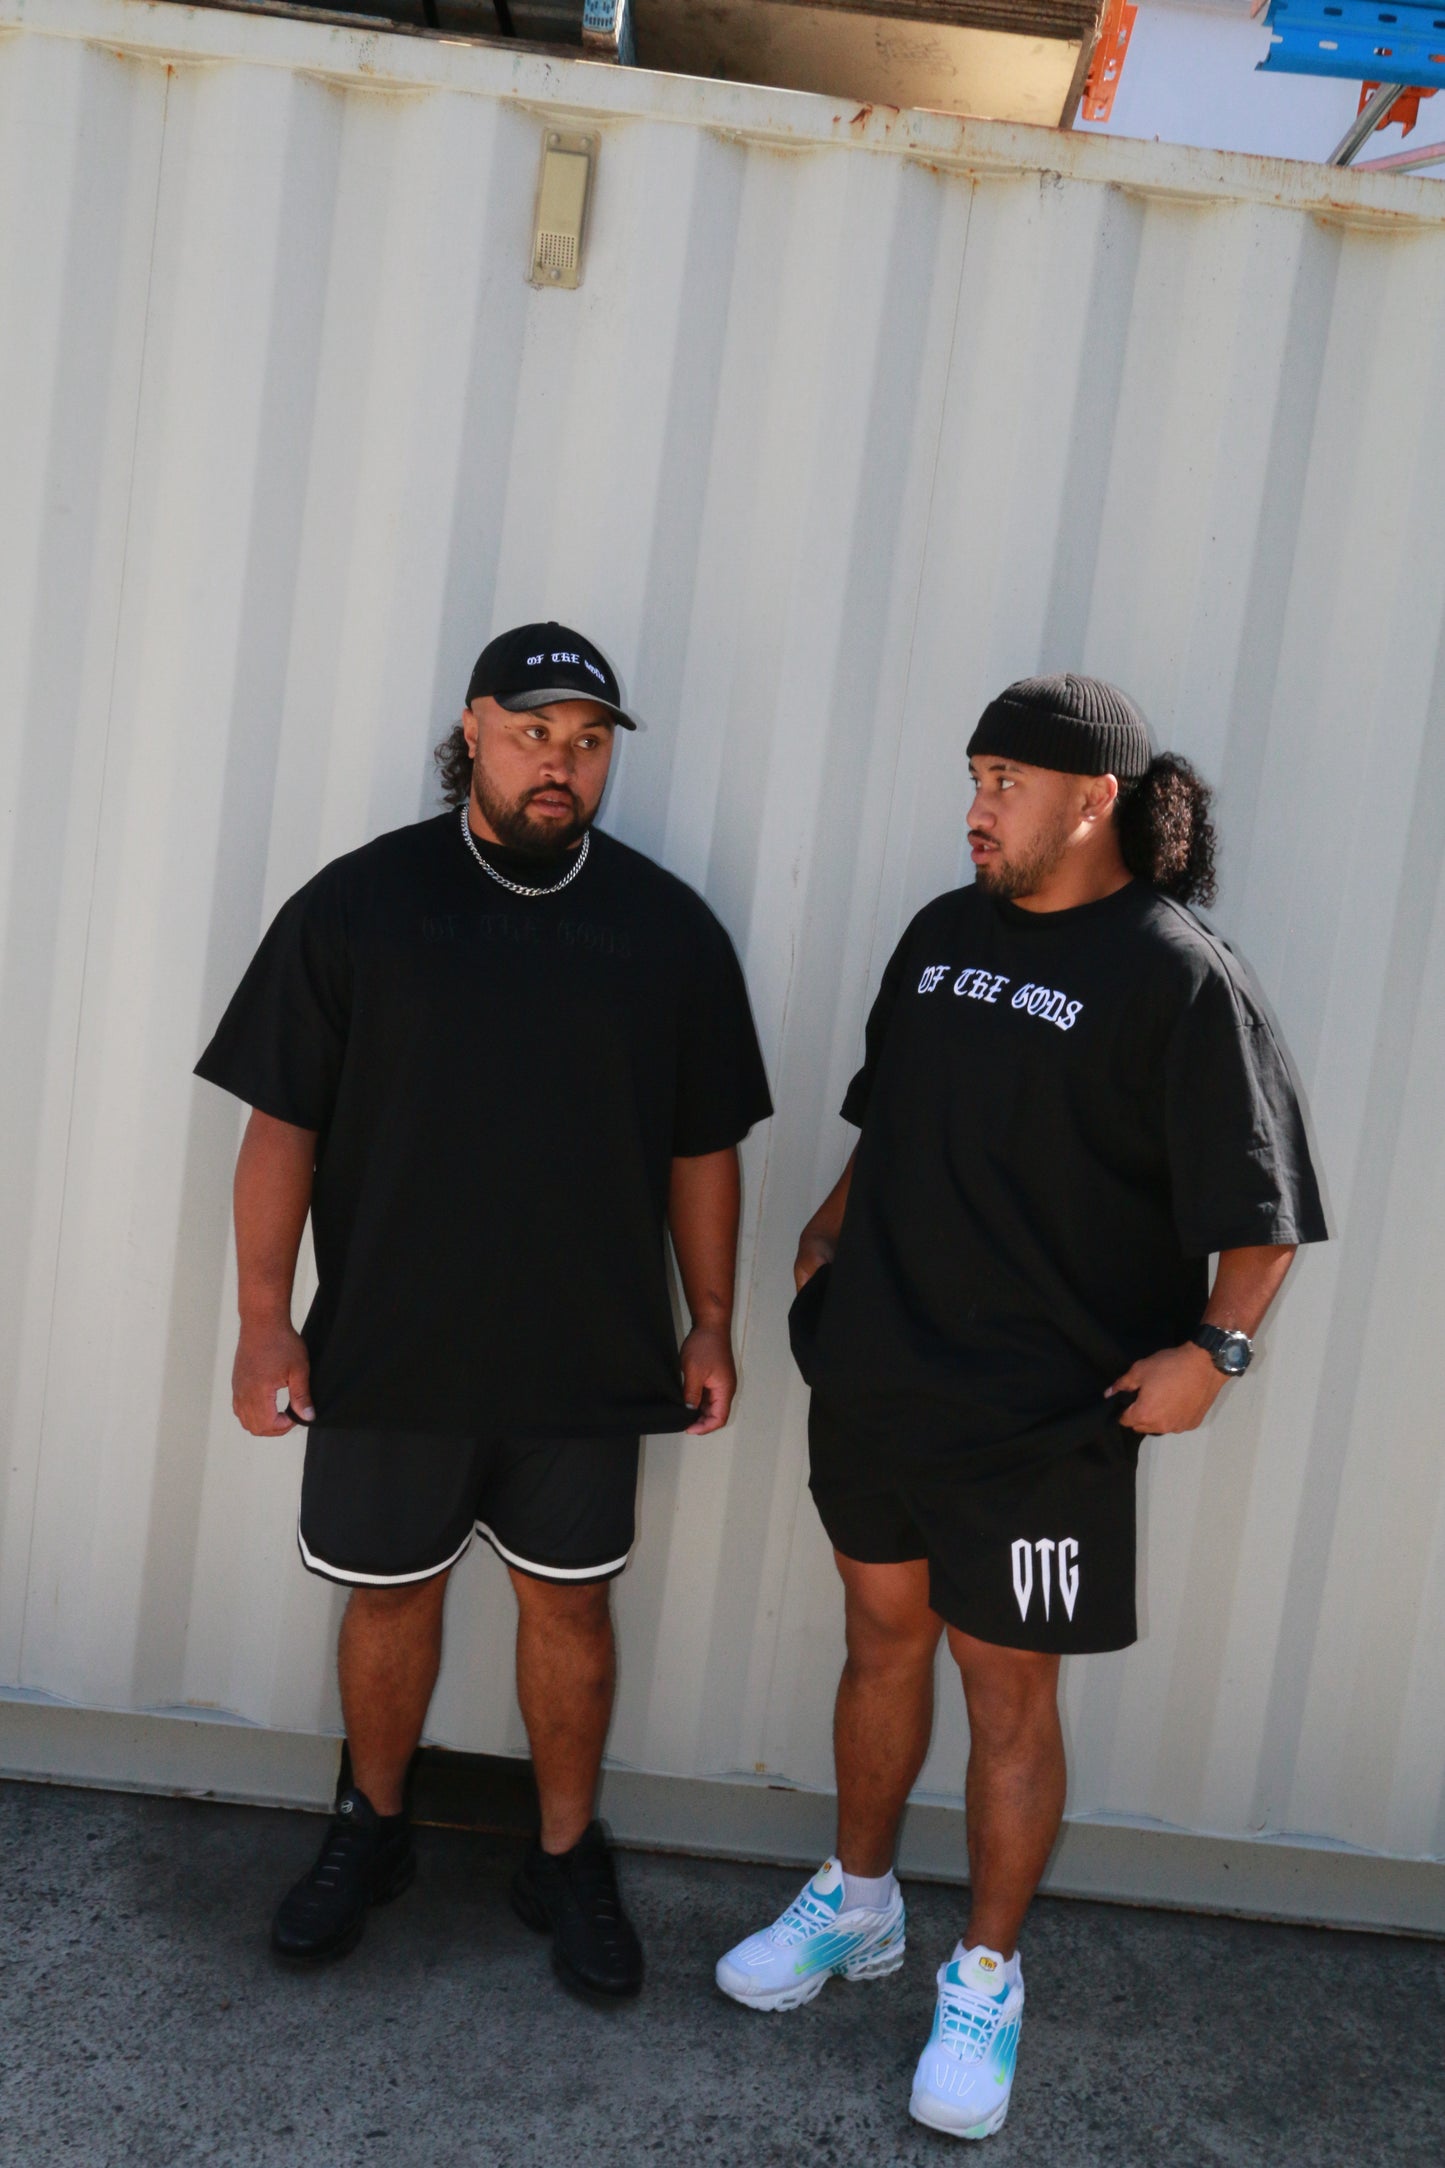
(815,1937)
(965,2073)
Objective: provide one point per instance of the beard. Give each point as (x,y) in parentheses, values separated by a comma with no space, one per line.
(1025,873)
(520,829)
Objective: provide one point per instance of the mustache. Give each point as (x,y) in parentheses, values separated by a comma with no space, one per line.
(554,790)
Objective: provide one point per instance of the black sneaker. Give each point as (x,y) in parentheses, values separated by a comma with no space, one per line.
(365,1860)
(573,1897)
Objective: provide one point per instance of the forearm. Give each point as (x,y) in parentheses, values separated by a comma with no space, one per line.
(827,1222)
(271,1198)
(1245,1285)
(704,1199)
(1175,1388)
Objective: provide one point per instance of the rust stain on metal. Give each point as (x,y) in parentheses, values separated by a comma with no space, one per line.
(788,126)
(877,119)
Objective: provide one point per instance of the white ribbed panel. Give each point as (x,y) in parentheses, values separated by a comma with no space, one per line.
(847,425)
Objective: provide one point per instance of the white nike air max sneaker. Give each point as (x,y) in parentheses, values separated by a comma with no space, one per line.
(965,2074)
(791,1961)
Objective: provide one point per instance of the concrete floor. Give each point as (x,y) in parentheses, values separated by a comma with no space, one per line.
(144,2022)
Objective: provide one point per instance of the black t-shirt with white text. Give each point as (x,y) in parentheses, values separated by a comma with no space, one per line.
(1063,1115)
(499,1084)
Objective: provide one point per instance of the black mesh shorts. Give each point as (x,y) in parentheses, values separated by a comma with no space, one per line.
(379,1507)
(1027,1550)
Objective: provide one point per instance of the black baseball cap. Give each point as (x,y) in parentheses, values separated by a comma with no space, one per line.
(535,664)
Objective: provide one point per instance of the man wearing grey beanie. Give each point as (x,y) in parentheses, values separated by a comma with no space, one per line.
(1071,1098)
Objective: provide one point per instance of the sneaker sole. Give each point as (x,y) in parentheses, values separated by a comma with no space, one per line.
(876,1967)
(400,1882)
(920,2105)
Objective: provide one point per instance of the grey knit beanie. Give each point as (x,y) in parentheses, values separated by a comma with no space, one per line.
(1077,724)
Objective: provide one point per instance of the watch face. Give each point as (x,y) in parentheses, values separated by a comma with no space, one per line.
(1234,1356)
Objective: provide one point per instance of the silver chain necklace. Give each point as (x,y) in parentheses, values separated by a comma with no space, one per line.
(516,886)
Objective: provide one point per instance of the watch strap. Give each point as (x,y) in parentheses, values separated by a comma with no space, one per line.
(1214,1339)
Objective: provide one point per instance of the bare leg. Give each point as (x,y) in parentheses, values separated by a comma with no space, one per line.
(1016,1779)
(884,1711)
(389,1654)
(566,1669)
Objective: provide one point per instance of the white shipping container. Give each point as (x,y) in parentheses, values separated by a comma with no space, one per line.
(854,417)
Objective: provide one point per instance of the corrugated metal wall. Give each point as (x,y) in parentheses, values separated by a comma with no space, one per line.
(837,436)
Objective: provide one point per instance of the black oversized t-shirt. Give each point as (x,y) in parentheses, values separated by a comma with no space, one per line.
(500,1084)
(1063,1114)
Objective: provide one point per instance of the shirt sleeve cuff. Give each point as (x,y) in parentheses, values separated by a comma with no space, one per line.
(1279,1233)
(260,1100)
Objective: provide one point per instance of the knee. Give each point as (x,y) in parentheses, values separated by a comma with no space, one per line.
(579,1610)
(1012,1694)
(399,1606)
(897,1640)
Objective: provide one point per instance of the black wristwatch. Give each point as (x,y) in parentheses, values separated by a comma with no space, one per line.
(1231,1352)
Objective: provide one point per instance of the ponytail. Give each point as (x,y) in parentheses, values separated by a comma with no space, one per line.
(1165,831)
(454,766)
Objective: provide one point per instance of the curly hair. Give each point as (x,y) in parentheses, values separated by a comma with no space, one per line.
(1165,830)
(454,766)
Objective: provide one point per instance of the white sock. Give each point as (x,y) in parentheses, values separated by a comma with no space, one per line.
(1009,1967)
(868,1893)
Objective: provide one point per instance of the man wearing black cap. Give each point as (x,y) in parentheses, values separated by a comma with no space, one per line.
(495,1055)
(1071,1097)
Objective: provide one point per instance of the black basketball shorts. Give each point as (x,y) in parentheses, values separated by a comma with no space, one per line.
(1025,1549)
(382,1507)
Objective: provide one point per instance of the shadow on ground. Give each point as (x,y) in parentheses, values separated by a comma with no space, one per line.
(145,2023)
